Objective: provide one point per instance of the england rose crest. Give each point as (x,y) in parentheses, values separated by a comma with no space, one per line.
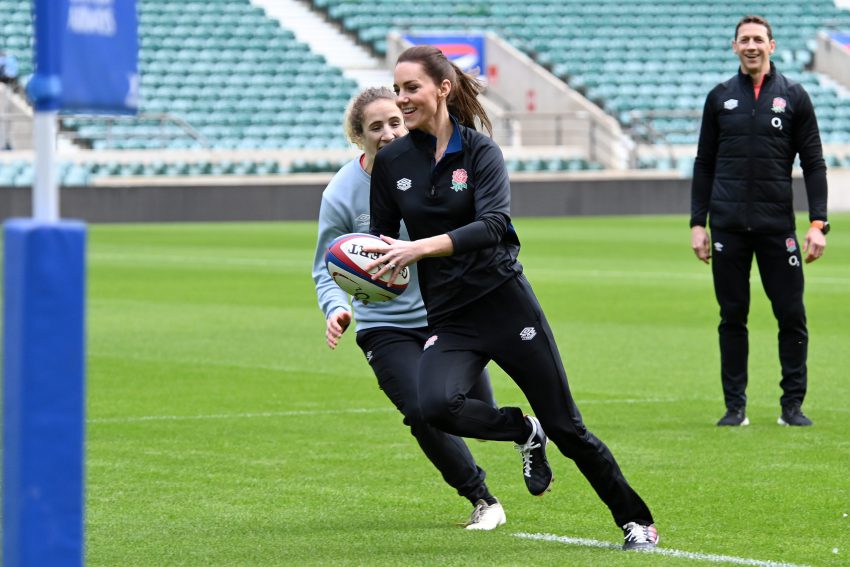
(778,105)
(790,245)
(459,178)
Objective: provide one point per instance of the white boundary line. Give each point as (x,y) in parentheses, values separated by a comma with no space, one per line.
(283,263)
(710,557)
(293,413)
(297,413)
(300,413)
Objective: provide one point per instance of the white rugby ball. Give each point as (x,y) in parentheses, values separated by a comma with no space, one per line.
(347,261)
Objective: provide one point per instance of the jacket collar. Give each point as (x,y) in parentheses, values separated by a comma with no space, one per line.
(428,142)
(767,78)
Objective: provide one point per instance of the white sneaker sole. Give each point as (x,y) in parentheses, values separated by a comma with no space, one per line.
(742,424)
(485,527)
(781,421)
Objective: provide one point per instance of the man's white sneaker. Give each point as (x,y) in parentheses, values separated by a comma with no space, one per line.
(486,516)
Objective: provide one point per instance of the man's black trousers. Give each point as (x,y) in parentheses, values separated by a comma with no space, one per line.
(779,261)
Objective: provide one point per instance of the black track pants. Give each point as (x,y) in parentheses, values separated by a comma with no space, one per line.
(393,354)
(780,265)
(508,327)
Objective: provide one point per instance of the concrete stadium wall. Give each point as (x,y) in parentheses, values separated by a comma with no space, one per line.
(833,59)
(538,195)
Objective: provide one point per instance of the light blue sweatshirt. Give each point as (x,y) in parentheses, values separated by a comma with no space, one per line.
(345,209)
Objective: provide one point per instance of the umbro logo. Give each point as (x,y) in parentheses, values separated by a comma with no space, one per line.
(403,184)
(731,104)
(528,333)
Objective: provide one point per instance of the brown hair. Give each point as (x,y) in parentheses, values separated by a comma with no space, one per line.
(463,101)
(754,20)
(353,124)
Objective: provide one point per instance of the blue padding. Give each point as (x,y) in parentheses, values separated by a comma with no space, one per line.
(43,392)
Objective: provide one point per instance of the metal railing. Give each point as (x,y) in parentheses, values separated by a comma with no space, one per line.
(575,132)
(162,121)
(649,139)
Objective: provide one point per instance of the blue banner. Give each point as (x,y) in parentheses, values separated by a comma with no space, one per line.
(86,56)
(841,37)
(464,50)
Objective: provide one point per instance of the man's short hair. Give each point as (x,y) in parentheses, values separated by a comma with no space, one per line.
(754,20)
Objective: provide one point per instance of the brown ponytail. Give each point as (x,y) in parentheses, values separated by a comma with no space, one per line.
(463,101)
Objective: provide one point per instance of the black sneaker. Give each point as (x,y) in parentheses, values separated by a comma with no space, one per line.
(535,467)
(734,417)
(637,536)
(793,415)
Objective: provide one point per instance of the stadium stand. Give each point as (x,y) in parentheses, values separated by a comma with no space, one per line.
(648,63)
(215,74)
(221,75)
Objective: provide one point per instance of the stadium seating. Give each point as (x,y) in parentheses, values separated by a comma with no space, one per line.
(226,75)
(649,63)
(219,74)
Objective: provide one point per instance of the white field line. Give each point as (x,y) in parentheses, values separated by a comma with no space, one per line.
(301,413)
(280,263)
(292,413)
(194,261)
(710,557)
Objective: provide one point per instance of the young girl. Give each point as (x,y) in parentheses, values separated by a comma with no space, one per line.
(449,185)
(392,334)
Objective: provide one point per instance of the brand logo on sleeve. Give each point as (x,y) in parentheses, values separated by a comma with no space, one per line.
(459,178)
(718,246)
(528,333)
(731,104)
(362,220)
(403,184)
(779,105)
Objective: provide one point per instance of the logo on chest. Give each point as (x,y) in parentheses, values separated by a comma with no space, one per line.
(779,105)
(403,184)
(731,104)
(459,178)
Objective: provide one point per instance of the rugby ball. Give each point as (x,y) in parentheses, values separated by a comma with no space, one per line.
(347,261)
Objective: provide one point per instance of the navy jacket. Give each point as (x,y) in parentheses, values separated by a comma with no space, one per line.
(742,172)
(466,195)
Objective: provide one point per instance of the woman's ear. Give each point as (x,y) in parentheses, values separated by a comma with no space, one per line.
(445,88)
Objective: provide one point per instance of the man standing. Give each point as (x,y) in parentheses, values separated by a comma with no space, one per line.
(753,126)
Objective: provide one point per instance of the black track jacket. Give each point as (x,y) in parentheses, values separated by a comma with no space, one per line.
(742,172)
(466,195)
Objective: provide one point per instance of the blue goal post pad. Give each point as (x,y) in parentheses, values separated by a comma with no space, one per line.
(43,392)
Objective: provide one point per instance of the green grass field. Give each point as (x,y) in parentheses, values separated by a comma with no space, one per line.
(222,430)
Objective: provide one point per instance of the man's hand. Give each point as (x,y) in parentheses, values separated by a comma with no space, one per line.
(814,244)
(336,326)
(700,243)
